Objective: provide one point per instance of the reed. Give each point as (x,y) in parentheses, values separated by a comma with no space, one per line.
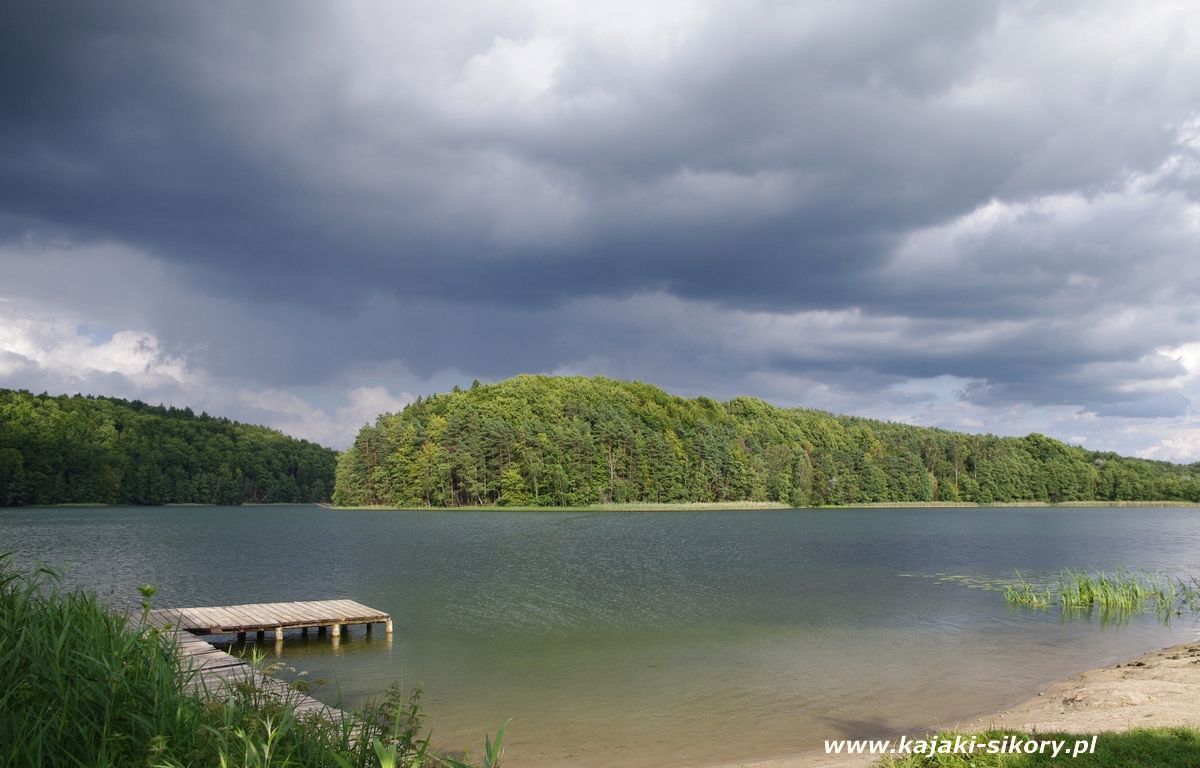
(1121,592)
(1023,593)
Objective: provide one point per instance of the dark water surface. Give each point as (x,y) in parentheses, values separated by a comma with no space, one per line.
(648,639)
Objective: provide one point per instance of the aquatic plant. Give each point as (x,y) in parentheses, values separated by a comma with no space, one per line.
(1023,593)
(1189,594)
(1115,593)
(1121,590)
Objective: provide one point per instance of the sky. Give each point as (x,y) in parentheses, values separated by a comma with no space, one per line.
(982,216)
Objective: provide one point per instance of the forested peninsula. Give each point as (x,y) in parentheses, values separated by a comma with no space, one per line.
(574,441)
(84,450)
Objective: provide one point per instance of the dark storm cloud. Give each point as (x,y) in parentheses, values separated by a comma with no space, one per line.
(999,193)
(225,140)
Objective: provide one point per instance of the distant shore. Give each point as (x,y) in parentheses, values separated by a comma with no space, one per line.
(701,506)
(697,506)
(174,505)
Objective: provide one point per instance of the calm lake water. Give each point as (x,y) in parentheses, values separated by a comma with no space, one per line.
(648,639)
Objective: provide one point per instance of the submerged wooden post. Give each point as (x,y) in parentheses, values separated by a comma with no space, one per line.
(336,630)
(304,632)
(278,635)
(388,625)
(259,635)
(241,637)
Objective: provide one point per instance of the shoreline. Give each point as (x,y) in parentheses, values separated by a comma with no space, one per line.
(1159,688)
(687,506)
(702,506)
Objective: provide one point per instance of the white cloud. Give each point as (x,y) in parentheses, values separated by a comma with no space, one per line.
(511,74)
(41,343)
(329,426)
(51,352)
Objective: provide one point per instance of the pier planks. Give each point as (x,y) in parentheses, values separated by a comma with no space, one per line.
(212,670)
(260,617)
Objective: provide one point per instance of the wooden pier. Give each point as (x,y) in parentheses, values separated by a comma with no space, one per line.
(336,616)
(212,670)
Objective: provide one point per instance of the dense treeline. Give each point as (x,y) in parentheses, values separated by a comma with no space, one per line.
(537,440)
(64,450)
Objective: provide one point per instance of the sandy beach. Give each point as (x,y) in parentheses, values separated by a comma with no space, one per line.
(1160,688)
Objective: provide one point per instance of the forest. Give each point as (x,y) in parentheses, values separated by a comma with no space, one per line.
(78,449)
(574,441)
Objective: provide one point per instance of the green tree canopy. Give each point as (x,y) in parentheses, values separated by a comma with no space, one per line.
(69,450)
(576,441)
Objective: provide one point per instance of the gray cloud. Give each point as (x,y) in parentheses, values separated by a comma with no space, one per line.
(939,211)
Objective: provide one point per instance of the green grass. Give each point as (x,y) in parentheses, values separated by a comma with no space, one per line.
(81,686)
(1139,748)
(1119,592)
(1023,593)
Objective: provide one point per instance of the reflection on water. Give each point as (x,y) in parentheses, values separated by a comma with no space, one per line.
(299,643)
(635,639)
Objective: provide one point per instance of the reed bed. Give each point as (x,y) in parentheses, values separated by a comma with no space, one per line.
(1121,591)
(1023,593)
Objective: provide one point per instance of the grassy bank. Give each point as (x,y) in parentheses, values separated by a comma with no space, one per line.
(1139,748)
(81,686)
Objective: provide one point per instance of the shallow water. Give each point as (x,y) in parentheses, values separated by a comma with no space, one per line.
(648,639)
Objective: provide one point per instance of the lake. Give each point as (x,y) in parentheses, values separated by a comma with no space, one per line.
(648,639)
